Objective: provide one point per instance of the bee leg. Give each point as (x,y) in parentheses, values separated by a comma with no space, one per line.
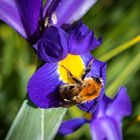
(88,69)
(71,76)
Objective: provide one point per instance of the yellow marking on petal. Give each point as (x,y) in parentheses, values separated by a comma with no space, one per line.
(74,64)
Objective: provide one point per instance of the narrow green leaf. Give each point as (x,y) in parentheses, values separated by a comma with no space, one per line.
(53,119)
(35,124)
(119,49)
(125,74)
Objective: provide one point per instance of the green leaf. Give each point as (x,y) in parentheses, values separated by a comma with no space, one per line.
(119,49)
(125,74)
(35,124)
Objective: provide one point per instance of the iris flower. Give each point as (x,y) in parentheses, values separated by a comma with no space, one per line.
(30,17)
(106,122)
(57,42)
(71,50)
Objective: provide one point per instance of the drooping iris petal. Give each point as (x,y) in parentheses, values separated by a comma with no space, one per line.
(68,11)
(98,70)
(52,47)
(105,128)
(82,40)
(42,87)
(22,15)
(120,106)
(68,127)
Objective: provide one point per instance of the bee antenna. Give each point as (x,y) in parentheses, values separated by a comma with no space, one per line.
(71,76)
(88,69)
(64,67)
(91,61)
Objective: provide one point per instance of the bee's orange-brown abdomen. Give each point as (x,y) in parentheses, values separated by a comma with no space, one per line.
(91,90)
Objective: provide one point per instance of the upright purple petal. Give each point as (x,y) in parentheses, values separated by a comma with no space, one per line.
(68,11)
(98,68)
(68,127)
(52,47)
(107,120)
(105,128)
(22,15)
(120,106)
(82,40)
(42,87)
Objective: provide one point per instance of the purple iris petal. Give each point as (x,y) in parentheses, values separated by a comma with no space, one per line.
(68,127)
(105,128)
(121,103)
(22,15)
(42,86)
(50,7)
(109,115)
(82,39)
(52,47)
(9,13)
(98,70)
(68,11)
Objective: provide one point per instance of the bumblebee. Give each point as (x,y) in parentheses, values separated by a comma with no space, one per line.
(83,90)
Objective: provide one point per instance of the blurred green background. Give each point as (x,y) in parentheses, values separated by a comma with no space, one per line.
(117,22)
